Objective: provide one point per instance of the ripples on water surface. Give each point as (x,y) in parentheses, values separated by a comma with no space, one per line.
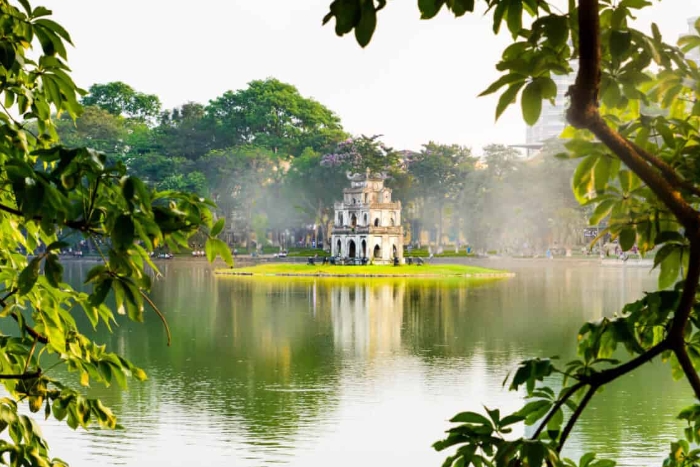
(309,372)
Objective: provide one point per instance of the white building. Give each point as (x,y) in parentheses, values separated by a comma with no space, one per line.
(367,221)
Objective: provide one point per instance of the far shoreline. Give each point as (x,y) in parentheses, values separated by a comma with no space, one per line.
(403,271)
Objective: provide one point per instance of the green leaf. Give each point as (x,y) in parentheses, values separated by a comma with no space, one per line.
(628,236)
(531,102)
(515,16)
(29,276)
(548,88)
(460,7)
(670,268)
(217,228)
(508,97)
(429,8)
(471,417)
(502,81)
(534,452)
(123,232)
(557,30)
(223,250)
(582,181)
(602,172)
(602,211)
(53,270)
(620,42)
(367,24)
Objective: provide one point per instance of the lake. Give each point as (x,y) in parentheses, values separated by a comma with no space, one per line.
(345,372)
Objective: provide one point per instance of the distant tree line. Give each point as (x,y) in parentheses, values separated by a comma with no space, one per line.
(274,161)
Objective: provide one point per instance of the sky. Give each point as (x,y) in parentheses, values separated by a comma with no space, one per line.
(417,81)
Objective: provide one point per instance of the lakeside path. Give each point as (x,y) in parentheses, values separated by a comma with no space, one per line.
(428,270)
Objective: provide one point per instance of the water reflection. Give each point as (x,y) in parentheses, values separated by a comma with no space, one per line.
(309,372)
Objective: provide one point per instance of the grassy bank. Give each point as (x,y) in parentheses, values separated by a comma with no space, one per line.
(428,270)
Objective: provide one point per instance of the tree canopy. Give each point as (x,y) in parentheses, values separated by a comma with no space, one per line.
(635,129)
(52,192)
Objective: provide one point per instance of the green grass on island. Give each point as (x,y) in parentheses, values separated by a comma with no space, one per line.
(426,270)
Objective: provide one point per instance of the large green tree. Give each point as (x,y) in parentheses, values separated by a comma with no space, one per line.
(274,115)
(50,192)
(638,169)
(120,99)
(439,173)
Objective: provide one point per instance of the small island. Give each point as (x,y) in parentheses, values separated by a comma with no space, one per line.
(427,270)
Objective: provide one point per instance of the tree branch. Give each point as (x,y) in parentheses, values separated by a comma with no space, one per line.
(668,171)
(26,375)
(583,113)
(688,369)
(83,226)
(680,318)
(606,376)
(570,392)
(31,331)
(159,313)
(574,417)
(662,188)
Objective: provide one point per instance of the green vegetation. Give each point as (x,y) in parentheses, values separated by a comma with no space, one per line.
(276,182)
(428,270)
(53,193)
(635,126)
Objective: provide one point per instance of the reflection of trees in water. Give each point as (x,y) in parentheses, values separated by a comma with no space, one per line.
(241,345)
(250,353)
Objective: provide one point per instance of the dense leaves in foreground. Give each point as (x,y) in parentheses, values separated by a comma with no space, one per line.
(635,126)
(51,194)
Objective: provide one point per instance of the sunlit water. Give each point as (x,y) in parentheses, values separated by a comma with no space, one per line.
(318,372)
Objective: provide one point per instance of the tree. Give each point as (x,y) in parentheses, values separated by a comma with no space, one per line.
(120,99)
(358,155)
(95,128)
(238,179)
(439,172)
(273,115)
(185,132)
(49,193)
(311,188)
(637,169)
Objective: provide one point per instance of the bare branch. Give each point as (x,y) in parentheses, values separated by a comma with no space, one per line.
(26,375)
(574,417)
(567,395)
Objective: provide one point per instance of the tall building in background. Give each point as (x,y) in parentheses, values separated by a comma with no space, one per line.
(553,118)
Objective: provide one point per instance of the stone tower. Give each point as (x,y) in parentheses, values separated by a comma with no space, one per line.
(367,222)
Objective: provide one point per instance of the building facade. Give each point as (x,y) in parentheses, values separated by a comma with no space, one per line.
(367,222)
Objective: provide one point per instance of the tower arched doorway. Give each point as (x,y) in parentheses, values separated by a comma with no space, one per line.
(364,248)
(353,221)
(339,249)
(352,249)
(377,251)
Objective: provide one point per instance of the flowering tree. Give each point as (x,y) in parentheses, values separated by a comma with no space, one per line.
(358,155)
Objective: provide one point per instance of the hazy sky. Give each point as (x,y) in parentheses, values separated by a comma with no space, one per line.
(416,81)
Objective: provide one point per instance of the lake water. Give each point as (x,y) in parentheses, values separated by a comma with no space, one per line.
(318,372)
